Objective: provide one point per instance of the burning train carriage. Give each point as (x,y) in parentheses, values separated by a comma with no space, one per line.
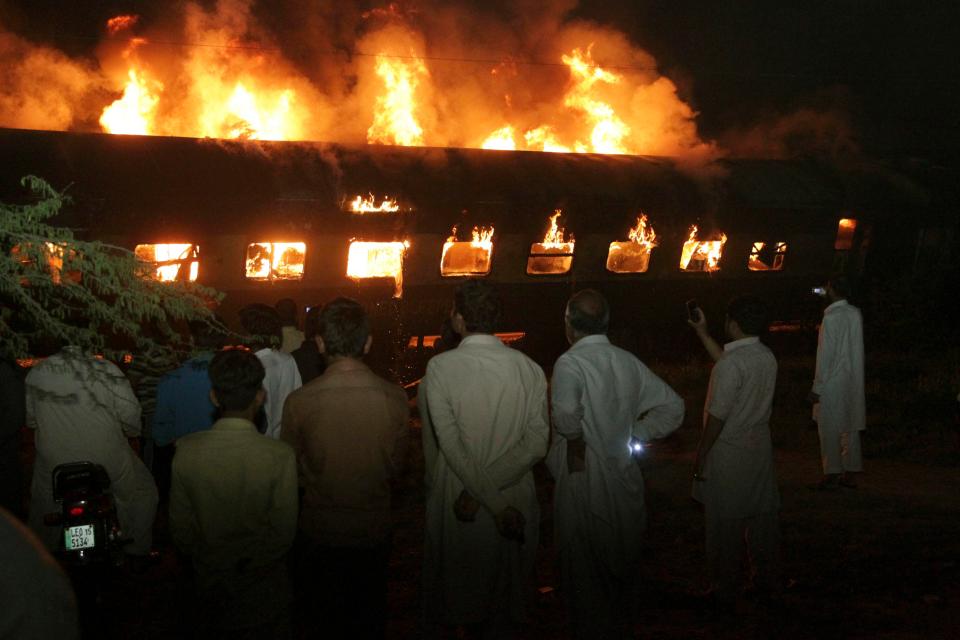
(399,227)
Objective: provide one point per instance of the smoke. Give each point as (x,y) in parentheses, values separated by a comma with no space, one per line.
(804,132)
(317,70)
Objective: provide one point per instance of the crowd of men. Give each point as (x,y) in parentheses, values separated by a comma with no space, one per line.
(281,454)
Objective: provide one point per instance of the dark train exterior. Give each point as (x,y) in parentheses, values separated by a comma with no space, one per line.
(223,196)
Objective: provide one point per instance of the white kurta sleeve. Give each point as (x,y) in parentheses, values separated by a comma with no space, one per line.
(661,409)
(474,478)
(509,468)
(725,383)
(827,351)
(566,399)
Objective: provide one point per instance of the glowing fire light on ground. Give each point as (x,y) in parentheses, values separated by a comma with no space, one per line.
(555,253)
(170,260)
(276,260)
(633,256)
(132,114)
(471,258)
(701,255)
(369,205)
(377,260)
(394,118)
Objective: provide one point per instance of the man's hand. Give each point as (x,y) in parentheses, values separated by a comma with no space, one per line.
(510,524)
(700,325)
(576,455)
(813,398)
(466,507)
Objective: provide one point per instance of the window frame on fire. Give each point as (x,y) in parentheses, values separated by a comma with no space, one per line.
(784,244)
(271,278)
(488,272)
(197,259)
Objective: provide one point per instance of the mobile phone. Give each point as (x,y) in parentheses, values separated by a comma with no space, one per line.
(819,291)
(693,311)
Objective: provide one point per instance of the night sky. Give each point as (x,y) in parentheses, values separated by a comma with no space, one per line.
(888,67)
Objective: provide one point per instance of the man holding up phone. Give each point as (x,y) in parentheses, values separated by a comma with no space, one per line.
(733,475)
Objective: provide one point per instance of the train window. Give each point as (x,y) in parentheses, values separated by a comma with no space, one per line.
(52,255)
(702,255)
(370,204)
(767,256)
(633,256)
(276,260)
(173,262)
(555,254)
(377,260)
(463,258)
(845,231)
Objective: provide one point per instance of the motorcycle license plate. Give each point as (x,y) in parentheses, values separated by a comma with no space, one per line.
(81,537)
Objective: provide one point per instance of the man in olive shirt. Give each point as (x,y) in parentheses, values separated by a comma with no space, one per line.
(349,430)
(233,508)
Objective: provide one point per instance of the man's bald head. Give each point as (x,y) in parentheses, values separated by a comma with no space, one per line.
(588,313)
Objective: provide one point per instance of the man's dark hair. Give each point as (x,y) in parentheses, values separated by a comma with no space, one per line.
(287,310)
(311,322)
(262,322)
(840,284)
(344,327)
(588,312)
(750,314)
(207,335)
(235,376)
(479,304)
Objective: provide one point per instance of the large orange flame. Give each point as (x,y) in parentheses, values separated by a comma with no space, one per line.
(394,118)
(377,260)
(701,255)
(609,131)
(133,113)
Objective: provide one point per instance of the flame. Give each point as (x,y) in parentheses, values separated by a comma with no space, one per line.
(132,114)
(555,236)
(643,234)
(174,255)
(394,119)
(608,129)
(467,258)
(369,205)
(377,260)
(276,260)
(633,256)
(755,261)
(247,117)
(544,139)
(705,254)
(120,23)
(501,139)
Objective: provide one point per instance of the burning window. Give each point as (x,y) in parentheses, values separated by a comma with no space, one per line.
(377,260)
(633,256)
(369,205)
(554,254)
(767,256)
(845,232)
(702,255)
(173,262)
(276,260)
(468,258)
(52,255)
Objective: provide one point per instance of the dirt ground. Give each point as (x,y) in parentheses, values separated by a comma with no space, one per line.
(880,561)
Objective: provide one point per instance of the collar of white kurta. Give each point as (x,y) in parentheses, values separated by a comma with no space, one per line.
(480,339)
(586,341)
(834,305)
(233,424)
(742,342)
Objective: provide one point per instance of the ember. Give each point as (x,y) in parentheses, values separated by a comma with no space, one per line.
(633,256)
(377,260)
(369,205)
(170,260)
(471,258)
(276,260)
(554,254)
(767,257)
(702,255)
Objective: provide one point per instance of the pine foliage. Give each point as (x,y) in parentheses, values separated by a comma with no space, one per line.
(84,293)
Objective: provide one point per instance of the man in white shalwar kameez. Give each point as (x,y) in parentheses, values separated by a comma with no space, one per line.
(839,404)
(605,404)
(483,407)
(734,476)
(83,408)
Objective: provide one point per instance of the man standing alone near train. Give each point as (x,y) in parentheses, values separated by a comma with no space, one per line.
(839,405)
(734,477)
(484,412)
(605,405)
